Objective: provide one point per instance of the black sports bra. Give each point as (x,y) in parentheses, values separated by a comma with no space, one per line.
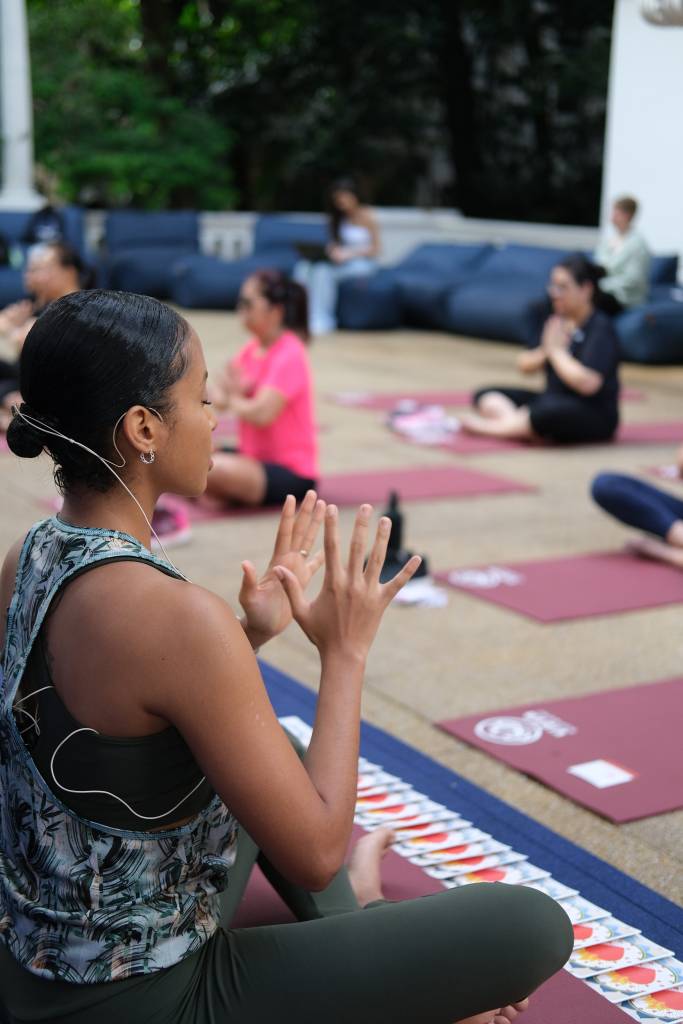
(156,775)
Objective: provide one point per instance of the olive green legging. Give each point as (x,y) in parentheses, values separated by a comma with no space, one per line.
(432,960)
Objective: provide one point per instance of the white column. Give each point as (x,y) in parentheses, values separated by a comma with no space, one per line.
(17,191)
(643,141)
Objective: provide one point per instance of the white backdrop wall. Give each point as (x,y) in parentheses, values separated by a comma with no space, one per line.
(644,137)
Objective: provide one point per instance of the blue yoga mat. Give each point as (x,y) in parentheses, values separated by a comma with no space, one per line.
(658,918)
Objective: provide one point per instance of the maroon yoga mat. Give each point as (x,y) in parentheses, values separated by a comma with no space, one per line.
(563,999)
(416,484)
(623,746)
(574,587)
(667,432)
(386,400)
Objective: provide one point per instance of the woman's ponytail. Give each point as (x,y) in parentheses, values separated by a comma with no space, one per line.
(280,290)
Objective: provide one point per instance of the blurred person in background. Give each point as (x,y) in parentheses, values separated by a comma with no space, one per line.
(53,269)
(625,258)
(351,252)
(657,513)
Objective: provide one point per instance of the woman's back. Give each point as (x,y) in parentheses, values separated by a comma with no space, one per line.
(87,872)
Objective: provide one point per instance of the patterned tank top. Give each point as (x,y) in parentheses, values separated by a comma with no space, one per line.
(80,901)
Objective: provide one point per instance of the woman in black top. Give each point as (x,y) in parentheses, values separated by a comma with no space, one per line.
(579,351)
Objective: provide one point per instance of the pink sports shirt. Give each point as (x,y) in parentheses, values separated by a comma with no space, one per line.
(291,439)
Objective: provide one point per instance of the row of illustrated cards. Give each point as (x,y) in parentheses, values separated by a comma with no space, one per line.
(643,978)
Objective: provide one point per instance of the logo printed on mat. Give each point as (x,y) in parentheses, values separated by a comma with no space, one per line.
(486,579)
(522,730)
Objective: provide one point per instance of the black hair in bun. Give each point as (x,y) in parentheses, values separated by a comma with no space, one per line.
(88,358)
(584,271)
(23,439)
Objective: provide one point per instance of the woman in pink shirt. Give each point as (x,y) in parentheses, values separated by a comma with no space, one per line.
(268,386)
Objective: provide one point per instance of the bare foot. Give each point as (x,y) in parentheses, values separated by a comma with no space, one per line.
(514,426)
(364,865)
(658,550)
(505,1015)
(473,423)
(510,1013)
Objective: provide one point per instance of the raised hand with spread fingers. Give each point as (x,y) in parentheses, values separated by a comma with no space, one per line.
(265,603)
(343,619)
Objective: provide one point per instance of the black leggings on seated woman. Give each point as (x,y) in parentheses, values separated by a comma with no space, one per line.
(433,960)
(561,418)
(636,503)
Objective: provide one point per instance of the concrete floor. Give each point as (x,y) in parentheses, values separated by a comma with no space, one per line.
(469,656)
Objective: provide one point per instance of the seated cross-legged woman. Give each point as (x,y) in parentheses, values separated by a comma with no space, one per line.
(142,766)
(579,352)
(269,387)
(657,513)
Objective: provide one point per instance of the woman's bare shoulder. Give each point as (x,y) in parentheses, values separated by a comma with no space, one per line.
(138,593)
(145,633)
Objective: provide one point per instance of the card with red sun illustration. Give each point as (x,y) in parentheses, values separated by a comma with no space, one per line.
(614,956)
(658,1007)
(606,930)
(639,981)
(511,874)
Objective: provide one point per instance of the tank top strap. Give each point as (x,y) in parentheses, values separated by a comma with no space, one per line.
(53,553)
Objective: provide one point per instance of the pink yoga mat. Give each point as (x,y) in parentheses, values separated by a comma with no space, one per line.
(562,1000)
(386,400)
(623,746)
(416,484)
(574,587)
(668,471)
(668,432)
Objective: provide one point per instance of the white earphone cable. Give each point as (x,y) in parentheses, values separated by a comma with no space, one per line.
(106,792)
(37,425)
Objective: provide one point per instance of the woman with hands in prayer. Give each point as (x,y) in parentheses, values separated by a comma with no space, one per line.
(579,353)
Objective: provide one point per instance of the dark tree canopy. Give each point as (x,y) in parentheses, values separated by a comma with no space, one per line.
(495,107)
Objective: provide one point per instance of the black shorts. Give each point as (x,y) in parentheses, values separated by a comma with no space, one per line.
(281,481)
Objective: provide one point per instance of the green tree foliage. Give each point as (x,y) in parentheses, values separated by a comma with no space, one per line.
(105,123)
(276,97)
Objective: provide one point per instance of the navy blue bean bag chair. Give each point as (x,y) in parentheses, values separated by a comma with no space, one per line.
(412,292)
(426,276)
(502,298)
(13,226)
(652,333)
(206,282)
(143,246)
(369,303)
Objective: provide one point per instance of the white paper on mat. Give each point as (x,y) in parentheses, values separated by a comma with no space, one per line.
(601,774)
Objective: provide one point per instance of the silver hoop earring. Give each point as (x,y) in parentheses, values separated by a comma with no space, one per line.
(148,457)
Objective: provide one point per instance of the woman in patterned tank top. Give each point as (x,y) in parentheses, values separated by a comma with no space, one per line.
(132,921)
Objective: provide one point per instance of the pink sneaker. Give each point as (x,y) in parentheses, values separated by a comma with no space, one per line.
(172,523)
